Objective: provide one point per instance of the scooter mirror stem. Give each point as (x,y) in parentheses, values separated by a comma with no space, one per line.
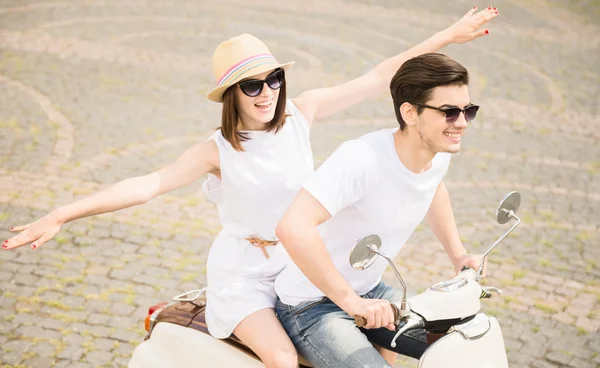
(511,214)
(404,309)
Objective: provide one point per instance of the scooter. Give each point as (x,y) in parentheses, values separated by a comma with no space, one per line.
(451,308)
(178,335)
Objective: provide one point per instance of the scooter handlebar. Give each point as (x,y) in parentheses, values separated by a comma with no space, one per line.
(486,292)
(362,321)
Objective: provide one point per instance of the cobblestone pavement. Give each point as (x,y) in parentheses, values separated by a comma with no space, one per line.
(94,91)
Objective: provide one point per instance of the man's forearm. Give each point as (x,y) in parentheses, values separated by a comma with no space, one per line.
(441,220)
(307,250)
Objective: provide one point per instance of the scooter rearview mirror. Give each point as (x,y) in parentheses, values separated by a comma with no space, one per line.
(362,255)
(510,203)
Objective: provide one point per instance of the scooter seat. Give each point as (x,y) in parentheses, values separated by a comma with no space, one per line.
(191,316)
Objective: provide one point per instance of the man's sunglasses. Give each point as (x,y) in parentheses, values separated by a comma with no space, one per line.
(452,113)
(254,87)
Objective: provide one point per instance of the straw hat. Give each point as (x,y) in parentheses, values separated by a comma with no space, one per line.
(238,58)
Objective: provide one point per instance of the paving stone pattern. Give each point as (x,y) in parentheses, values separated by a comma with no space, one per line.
(96,91)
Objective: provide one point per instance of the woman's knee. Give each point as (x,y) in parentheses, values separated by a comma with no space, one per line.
(263,333)
(281,358)
(388,355)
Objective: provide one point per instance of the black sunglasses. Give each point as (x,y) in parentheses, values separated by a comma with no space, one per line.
(452,113)
(254,87)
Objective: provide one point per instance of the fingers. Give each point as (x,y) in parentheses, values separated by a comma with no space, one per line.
(486,15)
(488,11)
(470,12)
(467,29)
(27,237)
(370,317)
(390,317)
(473,35)
(379,318)
(20,228)
(390,314)
(475,261)
(379,314)
(41,241)
(19,240)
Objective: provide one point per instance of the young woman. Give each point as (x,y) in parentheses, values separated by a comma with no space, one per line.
(256,163)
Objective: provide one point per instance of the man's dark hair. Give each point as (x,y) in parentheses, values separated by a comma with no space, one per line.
(417,77)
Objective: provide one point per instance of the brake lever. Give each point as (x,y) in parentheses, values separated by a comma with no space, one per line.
(486,291)
(412,321)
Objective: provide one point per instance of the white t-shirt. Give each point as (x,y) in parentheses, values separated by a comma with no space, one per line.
(367,190)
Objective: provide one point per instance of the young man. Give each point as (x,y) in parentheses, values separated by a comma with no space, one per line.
(383,183)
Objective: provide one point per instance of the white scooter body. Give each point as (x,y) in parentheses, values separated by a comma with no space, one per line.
(474,344)
(477,344)
(172,345)
(451,299)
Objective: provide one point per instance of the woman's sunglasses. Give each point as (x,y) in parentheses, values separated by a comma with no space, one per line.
(254,87)
(452,113)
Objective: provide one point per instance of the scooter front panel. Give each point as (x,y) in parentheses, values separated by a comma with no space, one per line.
(477,350)
(456,298)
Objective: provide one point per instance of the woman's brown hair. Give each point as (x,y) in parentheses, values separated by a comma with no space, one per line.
(230,117)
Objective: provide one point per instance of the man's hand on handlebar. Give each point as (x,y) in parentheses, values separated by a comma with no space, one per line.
(469,261)
(373,313)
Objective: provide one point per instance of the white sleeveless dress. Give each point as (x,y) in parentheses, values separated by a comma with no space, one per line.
(256,187)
